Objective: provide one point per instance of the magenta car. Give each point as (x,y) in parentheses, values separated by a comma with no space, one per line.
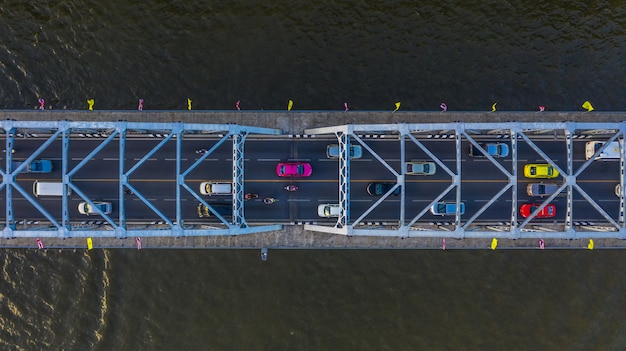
(293,169)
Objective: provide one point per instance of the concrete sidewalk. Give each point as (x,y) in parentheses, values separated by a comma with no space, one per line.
(295,122)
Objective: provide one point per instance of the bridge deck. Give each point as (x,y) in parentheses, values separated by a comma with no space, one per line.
(295,122)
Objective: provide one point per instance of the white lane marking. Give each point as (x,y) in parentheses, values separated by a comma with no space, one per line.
(299,200)
(268,159)
(110,159)
(328,159)
(298,159)
(362,159)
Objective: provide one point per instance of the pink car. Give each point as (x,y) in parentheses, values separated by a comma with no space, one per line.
(293,169)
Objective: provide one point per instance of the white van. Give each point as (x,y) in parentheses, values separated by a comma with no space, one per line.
(49,188)
(210,188)
(611,152)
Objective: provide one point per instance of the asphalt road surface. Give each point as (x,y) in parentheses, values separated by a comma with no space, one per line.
(156,179)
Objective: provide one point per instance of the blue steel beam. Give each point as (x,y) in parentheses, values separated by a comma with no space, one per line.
(344,179)
(516,129)
(622,181)
(123,181)
(238,175)
(65,129)
(514,154)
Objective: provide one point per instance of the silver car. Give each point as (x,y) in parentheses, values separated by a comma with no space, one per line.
(329,210)
(541,189)
(420,168)
(86,209)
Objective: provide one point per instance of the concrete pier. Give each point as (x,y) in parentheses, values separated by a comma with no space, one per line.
(295,122)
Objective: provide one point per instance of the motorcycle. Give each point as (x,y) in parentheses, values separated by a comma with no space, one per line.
(250,196)
(291,187)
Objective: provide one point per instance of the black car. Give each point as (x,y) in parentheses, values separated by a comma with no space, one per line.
(377,189)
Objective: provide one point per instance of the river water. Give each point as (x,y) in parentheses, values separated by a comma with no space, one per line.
(470,54)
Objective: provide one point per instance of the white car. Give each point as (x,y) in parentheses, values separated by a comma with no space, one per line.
(332,151)
(86,209)
(420,168)
(216,188)
(329,210)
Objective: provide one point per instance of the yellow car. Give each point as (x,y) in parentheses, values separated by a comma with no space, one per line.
(540,170)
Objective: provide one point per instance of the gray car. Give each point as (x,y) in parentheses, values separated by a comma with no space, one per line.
(541,189)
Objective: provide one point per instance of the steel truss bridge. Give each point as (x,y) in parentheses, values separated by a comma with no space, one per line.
(407,224)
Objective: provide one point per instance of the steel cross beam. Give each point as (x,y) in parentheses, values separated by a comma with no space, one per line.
(191,168)
(517,130)
(622,182)
(514,230)
(64,131)
(569,220)
(238,196)
(344,179)
(399,179)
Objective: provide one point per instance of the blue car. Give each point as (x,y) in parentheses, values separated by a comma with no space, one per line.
(493,149)
(446,209)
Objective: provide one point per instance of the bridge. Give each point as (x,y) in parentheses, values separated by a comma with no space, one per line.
(150,173)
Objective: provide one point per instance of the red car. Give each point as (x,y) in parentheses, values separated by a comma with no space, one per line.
(293,169)
(547,212)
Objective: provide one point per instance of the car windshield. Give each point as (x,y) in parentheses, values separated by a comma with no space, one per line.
(87,207)
(441,208)
(541,189)
(327,210)
(300,169)
(549,170)
(426,168)
(533,170)
(282,170)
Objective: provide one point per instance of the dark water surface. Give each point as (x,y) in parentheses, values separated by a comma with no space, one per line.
(320,54)
(313,300)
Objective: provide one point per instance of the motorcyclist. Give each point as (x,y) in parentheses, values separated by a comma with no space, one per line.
(250,196)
